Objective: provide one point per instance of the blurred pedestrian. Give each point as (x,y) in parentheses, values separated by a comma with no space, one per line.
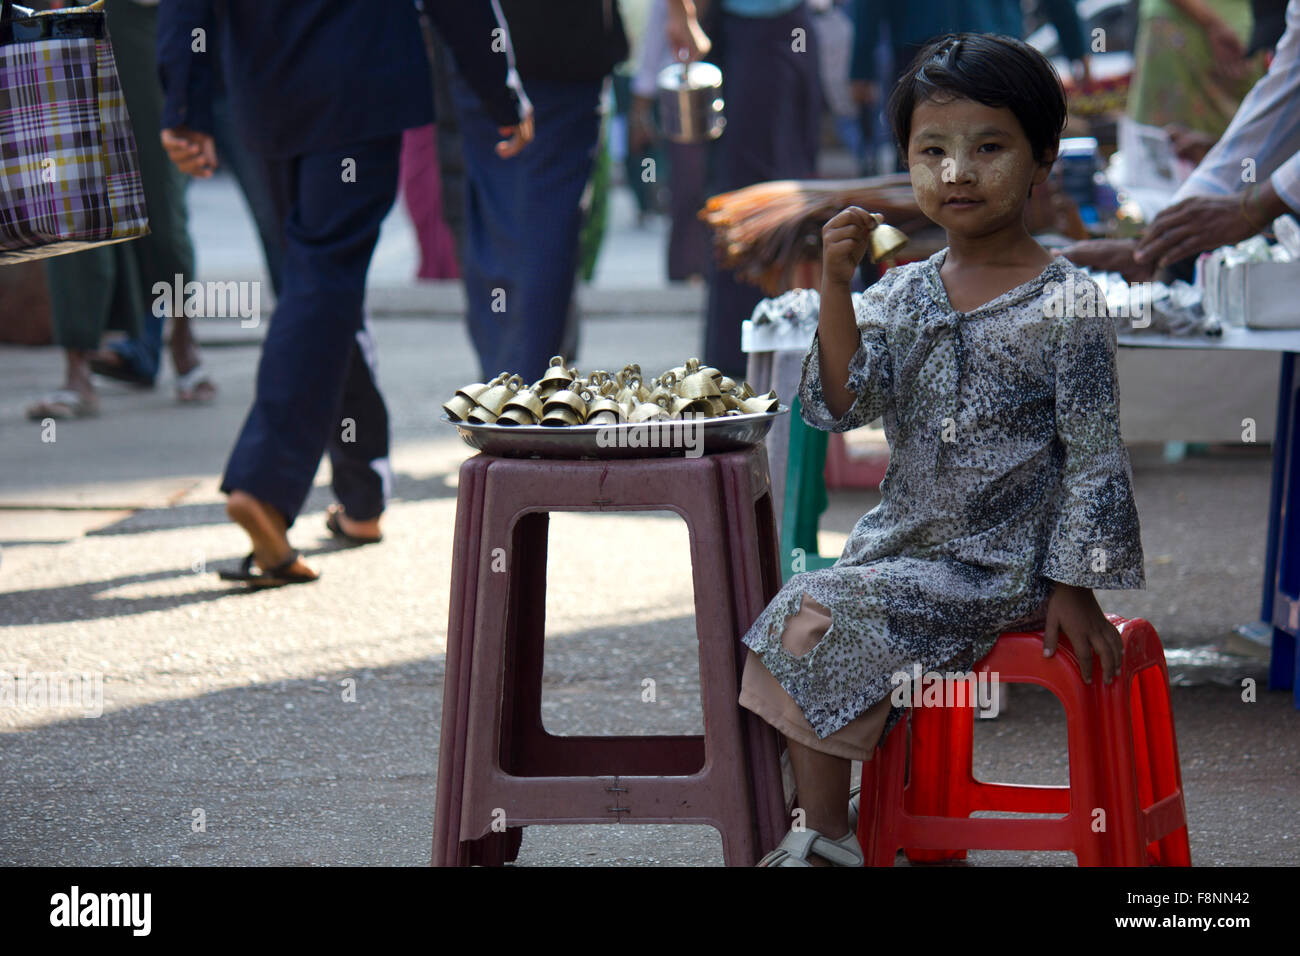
(690,247)
(111,287)
(767,52)
(523,217)
(322,90)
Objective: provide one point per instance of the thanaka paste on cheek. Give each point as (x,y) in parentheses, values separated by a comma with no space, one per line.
(925,185)
(1009,174)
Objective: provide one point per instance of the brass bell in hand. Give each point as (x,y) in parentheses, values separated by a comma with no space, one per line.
(885,239)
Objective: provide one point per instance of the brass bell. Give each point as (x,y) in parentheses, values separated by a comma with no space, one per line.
(516,416)
(462,403)
(604,408)
(725,385)
(648,412)
(574,398)
(556,375)
(492,401)
(665,387)
(524,409)
(761,404)
(885,239)
(560,416)
(698,383)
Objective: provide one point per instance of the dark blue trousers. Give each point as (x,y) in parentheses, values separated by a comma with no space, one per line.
(316,385)
(522,220)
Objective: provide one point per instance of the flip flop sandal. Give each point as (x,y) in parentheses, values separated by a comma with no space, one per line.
(795,849)
(188,385)
(270,578)
(120,371)
(335,527)
(63,403)
(855,802)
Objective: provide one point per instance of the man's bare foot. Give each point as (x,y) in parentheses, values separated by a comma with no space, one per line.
(268,531)
(336,519)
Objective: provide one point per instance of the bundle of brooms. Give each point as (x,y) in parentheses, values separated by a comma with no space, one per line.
(763,232)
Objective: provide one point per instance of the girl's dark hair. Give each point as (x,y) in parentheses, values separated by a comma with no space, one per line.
(994,70)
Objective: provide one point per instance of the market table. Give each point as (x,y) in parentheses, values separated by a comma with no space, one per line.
(1279,612)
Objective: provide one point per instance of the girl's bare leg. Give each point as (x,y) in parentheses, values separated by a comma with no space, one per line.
(822,780)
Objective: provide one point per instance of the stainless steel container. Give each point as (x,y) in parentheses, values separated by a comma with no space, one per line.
(690,102)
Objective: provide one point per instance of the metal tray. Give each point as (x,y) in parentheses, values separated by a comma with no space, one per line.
(645,440)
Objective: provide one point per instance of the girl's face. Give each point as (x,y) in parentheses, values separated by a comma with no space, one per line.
(971,166)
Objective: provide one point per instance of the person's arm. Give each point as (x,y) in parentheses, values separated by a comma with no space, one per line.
(1265,131)
(476,34)
(184,46)
(847,371)
(1222,201)
(685,37)
(1093,538)
(1093,533)
(1229,53)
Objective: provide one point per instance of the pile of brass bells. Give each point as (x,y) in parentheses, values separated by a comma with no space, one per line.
(563,397)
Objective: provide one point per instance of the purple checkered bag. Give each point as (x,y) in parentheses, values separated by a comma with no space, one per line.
(69,175)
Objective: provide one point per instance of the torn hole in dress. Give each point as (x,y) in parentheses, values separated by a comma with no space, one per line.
(807,629)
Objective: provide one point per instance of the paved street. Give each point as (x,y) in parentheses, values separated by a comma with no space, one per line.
(237,704)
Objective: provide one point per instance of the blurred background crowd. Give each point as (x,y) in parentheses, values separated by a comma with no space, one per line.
(804,81)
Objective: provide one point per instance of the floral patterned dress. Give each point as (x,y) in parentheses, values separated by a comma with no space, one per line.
(1007,474)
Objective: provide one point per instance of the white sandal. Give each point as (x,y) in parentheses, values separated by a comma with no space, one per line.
(63,403)
(855,801)
(799,844)
(187,386)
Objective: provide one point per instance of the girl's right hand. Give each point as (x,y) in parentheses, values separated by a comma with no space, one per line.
(844,243)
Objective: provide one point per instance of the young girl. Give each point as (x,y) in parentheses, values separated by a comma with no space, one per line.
(1009,491)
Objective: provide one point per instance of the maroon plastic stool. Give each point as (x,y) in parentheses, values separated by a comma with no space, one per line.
(496,757)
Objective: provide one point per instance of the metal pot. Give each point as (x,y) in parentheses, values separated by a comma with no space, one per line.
(690,102)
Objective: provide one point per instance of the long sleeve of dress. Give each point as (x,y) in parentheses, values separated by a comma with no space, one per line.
(1094,539)
(870,371)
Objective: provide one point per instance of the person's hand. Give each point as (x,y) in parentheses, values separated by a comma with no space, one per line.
(1229,55)
(1108,255)
(1191,145)
(844,243)
(1074,612)
(515,138)
(1191,226)
(865,92)
(686,38)
(193,152)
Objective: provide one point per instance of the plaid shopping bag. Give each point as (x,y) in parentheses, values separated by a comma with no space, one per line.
(69,175)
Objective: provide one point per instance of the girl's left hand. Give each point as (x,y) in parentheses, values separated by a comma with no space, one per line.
(1074,611)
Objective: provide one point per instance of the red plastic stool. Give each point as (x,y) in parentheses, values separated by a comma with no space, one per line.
(498,768)
(1123,760)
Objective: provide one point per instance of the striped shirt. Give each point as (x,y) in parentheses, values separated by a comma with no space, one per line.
(1265,131)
